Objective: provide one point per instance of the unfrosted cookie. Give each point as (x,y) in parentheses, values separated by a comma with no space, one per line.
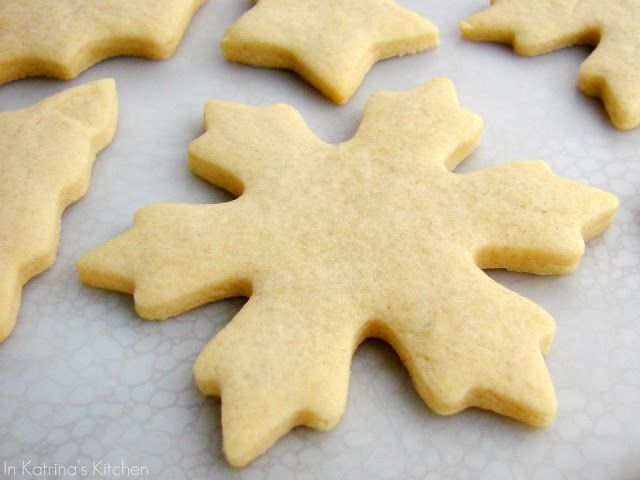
(612,72)
(330,43)
(46,154)
(374,237)
(62,38)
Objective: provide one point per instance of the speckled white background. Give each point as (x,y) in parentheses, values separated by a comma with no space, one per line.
(82,378)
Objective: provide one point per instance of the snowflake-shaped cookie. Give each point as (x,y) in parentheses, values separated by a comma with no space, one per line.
(62,38)
(612,72)
(330,43)
(374,237)
(46,155)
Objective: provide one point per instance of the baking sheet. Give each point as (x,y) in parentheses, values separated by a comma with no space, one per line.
(84,380)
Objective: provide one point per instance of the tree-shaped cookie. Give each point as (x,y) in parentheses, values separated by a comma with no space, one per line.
(62,38)
(46,154)
(330,43)
(374,237)
(612,72)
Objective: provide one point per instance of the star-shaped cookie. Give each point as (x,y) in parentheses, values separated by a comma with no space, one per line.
(62,38)
(46,155)
(330,43)
(612,71)
(374,237)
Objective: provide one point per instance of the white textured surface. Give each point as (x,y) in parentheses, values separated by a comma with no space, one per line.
(82,378)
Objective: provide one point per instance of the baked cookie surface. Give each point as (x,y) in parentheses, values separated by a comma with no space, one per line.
(373,237)
(330,43)
(46,155)
(533,27)
(62,38)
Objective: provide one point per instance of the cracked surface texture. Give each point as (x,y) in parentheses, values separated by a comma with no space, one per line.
(84,378)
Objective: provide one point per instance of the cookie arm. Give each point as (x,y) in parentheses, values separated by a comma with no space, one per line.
(473,343)
(400,31)
(527,219)
(612,72)
(283,361)
(243,144)
(175,258)
(57,39)
(479,345)
(422,126)
(532,30)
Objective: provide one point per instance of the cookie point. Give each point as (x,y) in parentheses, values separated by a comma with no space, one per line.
(7,323)
(149,311)
(446,84)
(546,414)
(446,88)
(444,81)
(9,299)
(236,460)
(608,201)
(607,207)
(465,27)
(242,443)
(105,88)
(340,100)
(622,119)
(204,377)
(108,81)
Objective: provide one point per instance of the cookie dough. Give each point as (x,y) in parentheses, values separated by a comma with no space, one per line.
(330,43)
(373,237)
(46,154)
(612,71)
(62,38)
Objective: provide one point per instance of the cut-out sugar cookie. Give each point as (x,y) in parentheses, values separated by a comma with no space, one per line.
(46,155)
(331,44)
(62,38)
(374,237)
(533,27)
